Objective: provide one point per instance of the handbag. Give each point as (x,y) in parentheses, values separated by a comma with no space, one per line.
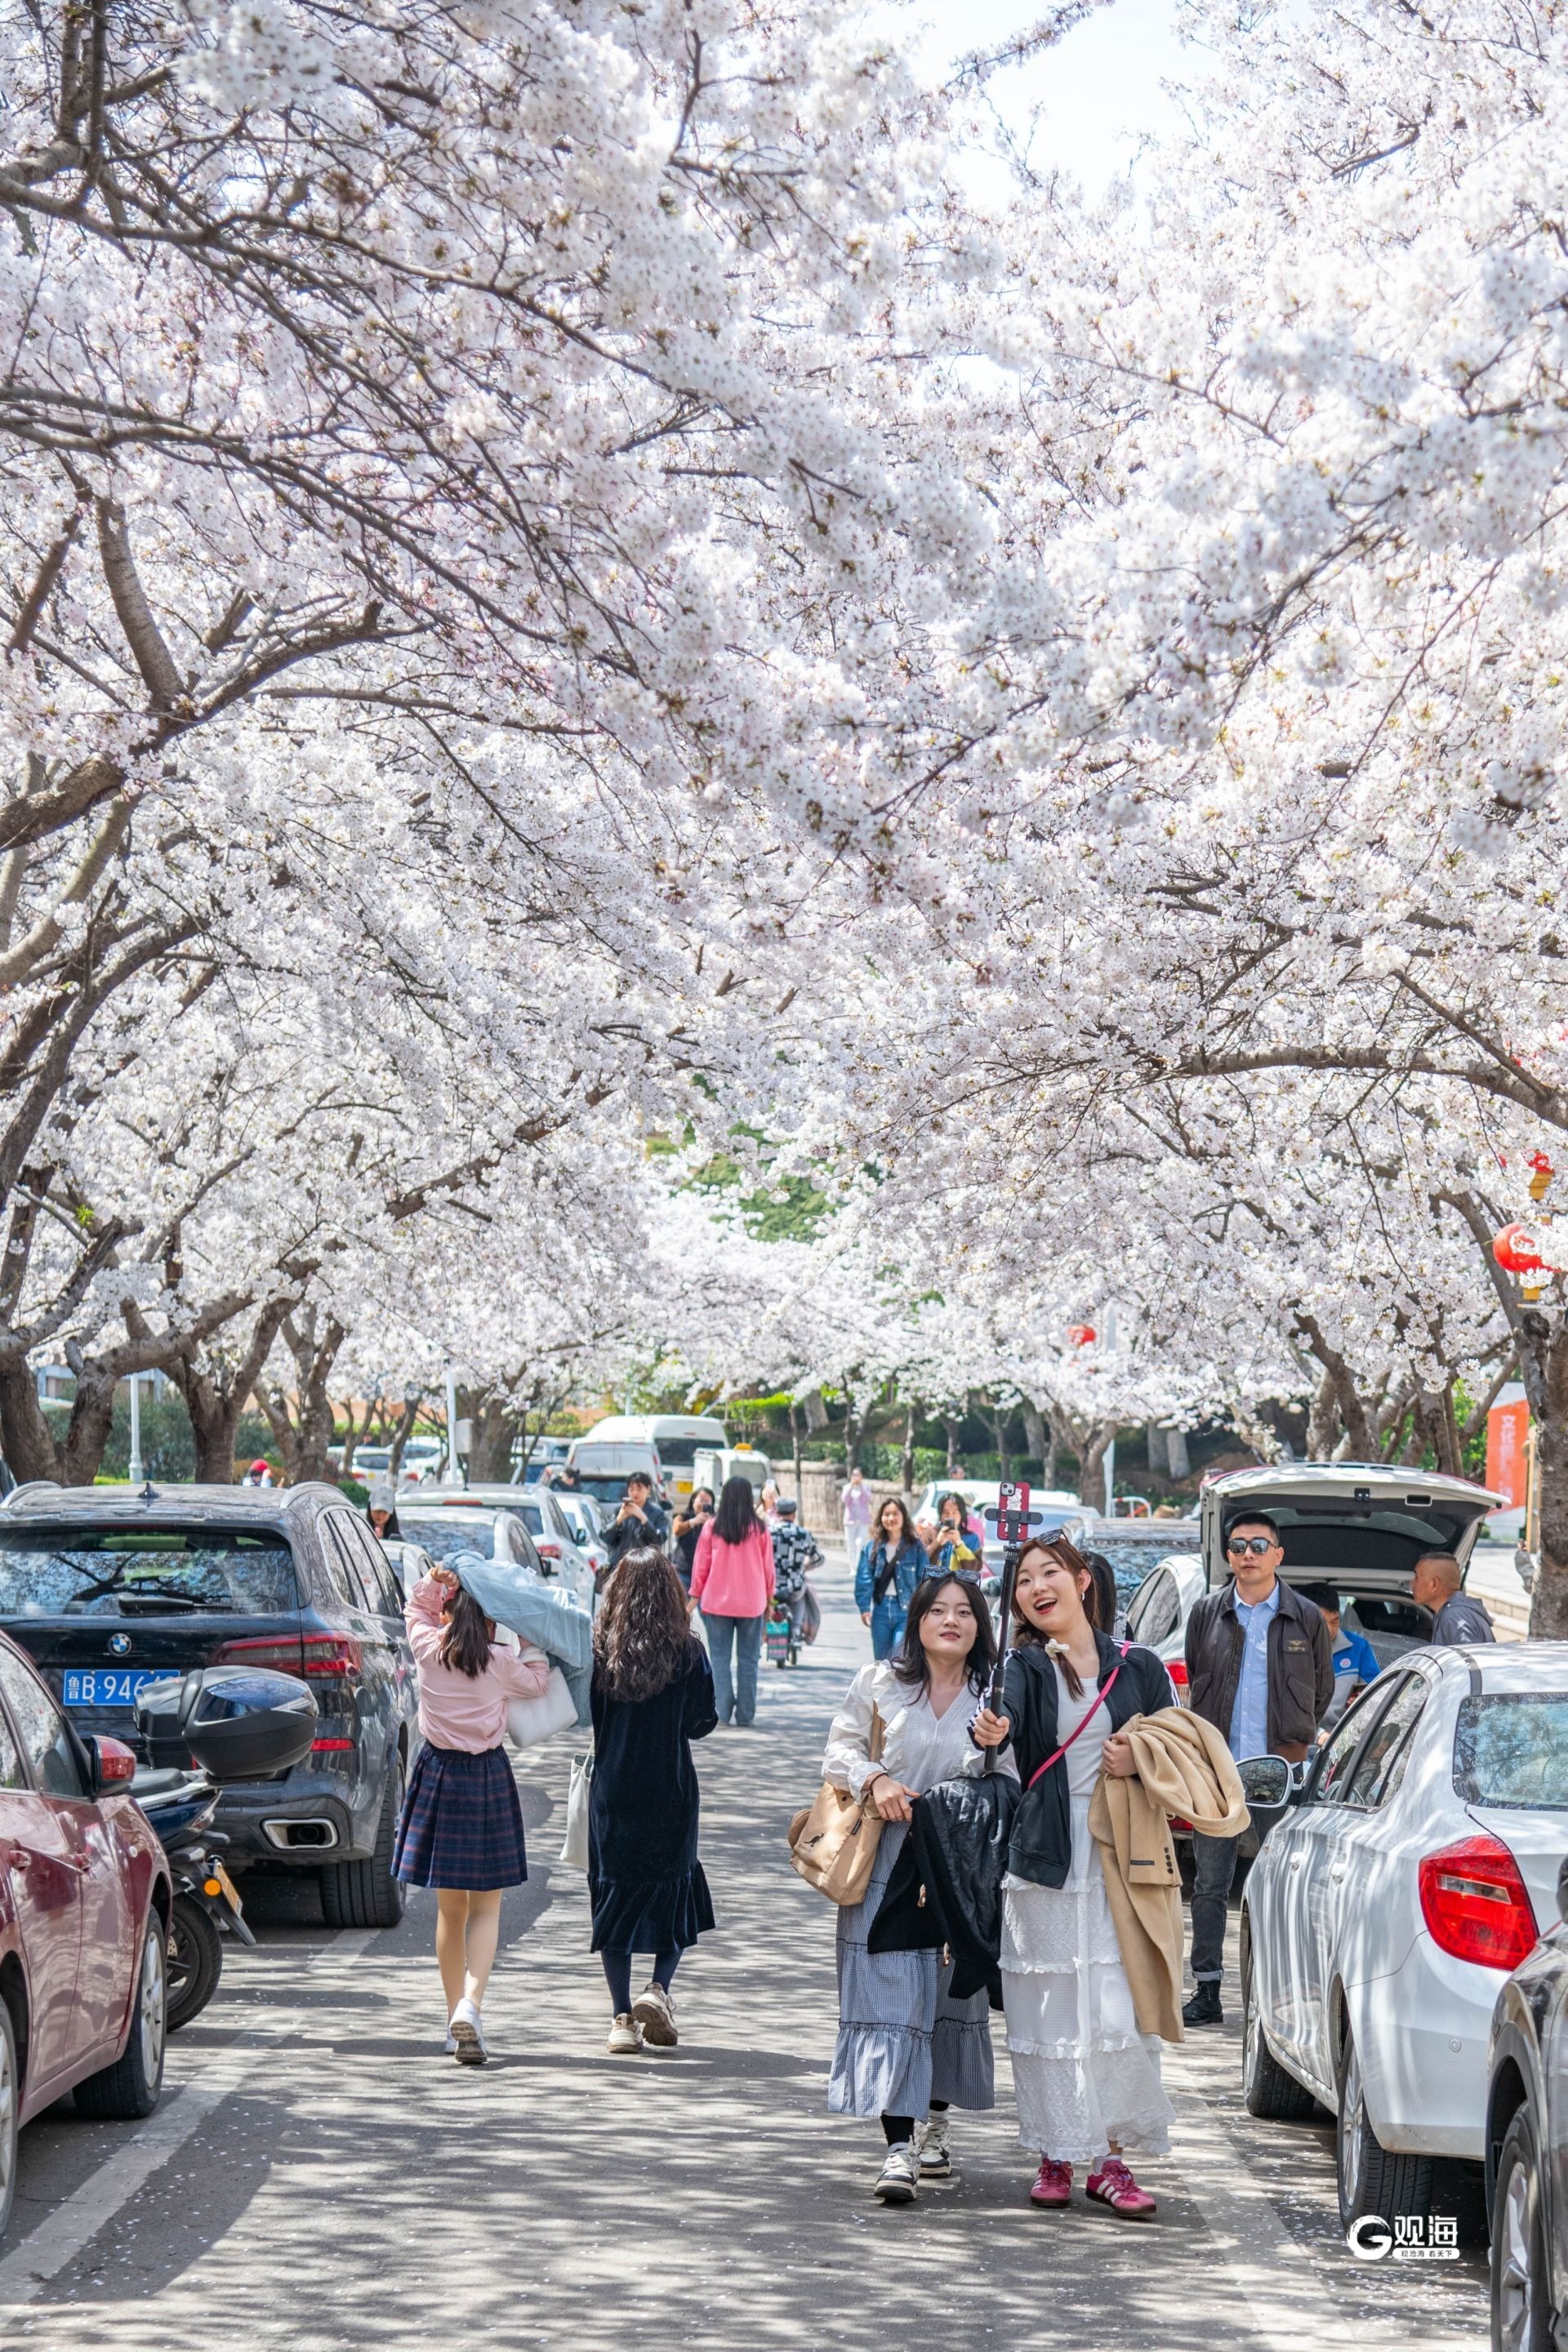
(833,1843)
(530,1720)
(574,1844)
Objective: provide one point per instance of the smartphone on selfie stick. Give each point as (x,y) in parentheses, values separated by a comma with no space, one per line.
(1015,1526)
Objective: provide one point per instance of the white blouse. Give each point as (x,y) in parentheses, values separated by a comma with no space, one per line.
(919,1748)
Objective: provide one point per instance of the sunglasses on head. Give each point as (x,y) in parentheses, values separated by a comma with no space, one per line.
(1255,1545)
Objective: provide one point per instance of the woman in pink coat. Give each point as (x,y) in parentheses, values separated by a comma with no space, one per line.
(732,1583)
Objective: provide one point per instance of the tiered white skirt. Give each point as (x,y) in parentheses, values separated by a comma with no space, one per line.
(1083,2075)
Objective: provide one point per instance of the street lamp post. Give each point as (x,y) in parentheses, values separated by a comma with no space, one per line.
(454,1476)
(136,1463)
(1108,1329)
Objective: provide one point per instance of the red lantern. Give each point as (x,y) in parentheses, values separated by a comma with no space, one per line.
(1082,1335)
(1517,1251)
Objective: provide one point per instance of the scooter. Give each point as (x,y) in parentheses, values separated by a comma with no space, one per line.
(795,1614)
(180,1807)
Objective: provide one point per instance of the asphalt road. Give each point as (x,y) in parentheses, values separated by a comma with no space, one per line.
(319,2177)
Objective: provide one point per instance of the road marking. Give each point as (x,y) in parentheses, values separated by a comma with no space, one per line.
(111,2186)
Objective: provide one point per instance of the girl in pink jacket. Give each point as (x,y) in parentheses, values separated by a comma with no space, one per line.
(732,1583)
(461,1830)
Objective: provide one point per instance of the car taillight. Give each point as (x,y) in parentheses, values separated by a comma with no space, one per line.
(279,1654)
(1476,1904)
(548,1550)
(330,1653)
(333,1746)
(1177,1670)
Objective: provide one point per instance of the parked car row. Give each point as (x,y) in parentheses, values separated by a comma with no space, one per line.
(1403,1953)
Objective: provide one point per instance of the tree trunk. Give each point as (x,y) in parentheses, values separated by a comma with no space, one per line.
(1543,1368)
(1092,1449)
(403,1432)
(495,1420)
(1439,1429)
(852,1425)
(1358,1435)
(1157,1449)
(30,1445)
(795,1440)
(216,1398)
(950,1421)
(1176,1454)
(1322,1421)
(1036,1440)
(906,1466)
(816,1409)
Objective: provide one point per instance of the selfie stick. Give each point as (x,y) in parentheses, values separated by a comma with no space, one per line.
(1014,1523)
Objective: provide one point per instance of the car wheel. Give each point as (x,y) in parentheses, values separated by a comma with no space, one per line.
(195,1960)
(1373,2178)
(130,2088)
(1519,2316)
(1266,2088)
(365,1894)
(10,2115)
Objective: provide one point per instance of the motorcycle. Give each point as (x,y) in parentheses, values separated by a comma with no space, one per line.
(180,1807)
(794,1615)
(195,1734)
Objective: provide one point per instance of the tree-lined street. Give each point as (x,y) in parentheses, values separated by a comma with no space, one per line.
(321,2178)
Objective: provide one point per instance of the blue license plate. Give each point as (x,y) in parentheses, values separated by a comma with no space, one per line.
(106,1686)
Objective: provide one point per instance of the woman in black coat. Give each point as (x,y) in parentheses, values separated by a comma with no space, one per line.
(652,1696)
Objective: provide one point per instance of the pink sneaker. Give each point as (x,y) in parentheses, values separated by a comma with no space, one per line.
(1053,2183)
(1114,2185)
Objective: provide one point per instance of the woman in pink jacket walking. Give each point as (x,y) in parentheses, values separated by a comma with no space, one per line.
(461,1830)
(732,1583)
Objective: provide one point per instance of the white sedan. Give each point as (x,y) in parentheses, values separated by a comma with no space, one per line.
(1413,1870)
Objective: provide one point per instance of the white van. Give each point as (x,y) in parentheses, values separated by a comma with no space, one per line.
(714,1463)
(604,1469)
(674,1436)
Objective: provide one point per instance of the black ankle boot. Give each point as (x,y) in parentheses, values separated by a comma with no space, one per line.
(1204,2008)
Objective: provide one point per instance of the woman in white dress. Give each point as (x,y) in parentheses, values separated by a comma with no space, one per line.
(1087,2082)
(906,2050)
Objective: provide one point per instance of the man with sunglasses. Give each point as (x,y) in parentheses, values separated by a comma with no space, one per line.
(1260,1669)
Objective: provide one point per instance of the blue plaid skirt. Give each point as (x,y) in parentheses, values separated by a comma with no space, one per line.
(461,1825)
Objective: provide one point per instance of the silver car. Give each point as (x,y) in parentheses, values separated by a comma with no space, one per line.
(535,1513)
(1412,1870)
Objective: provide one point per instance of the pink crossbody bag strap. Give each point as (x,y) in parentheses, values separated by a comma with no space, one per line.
(1101,1696)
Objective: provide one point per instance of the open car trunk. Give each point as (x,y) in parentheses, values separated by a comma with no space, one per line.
(1360,1527)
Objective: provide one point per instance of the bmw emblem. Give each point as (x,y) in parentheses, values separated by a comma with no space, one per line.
(119,1645)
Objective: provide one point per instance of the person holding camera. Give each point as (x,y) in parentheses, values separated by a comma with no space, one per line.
(688,1527)
(639,1520)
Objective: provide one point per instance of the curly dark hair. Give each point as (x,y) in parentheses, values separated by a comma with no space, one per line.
(642,1634)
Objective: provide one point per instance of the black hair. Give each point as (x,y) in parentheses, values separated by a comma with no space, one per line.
(1106,1597)
(466,1638)
(737,1513)
(1321,1596)
(1252,1520)
(942,1503)
(1027,1634)
(913,1665)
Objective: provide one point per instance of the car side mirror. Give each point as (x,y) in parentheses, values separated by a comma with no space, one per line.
(1562,1891)
(1266,1782)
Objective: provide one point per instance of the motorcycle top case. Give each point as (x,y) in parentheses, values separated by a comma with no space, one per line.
(238,1723)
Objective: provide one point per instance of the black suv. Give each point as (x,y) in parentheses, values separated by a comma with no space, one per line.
(110,1589)
(1527,2146)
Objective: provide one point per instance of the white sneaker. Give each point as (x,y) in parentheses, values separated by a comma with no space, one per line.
(467,2034)
(899,2176)
(625,2036)
(935,2156)
(653,2010)
(449,2047)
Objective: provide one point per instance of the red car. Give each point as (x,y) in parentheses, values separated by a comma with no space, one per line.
(84,1920)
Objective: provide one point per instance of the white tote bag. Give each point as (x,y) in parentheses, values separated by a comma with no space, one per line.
(530,1720)
(574,1844)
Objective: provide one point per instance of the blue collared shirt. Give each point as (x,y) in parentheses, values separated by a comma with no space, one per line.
(1249,1715)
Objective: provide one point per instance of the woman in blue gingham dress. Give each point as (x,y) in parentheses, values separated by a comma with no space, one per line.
(461,1828)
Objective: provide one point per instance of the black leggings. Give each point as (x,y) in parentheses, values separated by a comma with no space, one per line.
(618,1976)
(899,2127)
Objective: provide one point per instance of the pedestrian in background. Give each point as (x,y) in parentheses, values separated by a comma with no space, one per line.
(1455,1618)
(688,1525)
(652,1696)
(1354,1659)
(1086,2079)
(382,1510)
(639,1520)
(768,1504)
(949,1545)
(906,2050)
(461,1827)
(732,1583)
(1259,1670)
(891,1565)
(854,1506)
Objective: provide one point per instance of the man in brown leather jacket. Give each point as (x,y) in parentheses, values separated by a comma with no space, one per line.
(1260,1669)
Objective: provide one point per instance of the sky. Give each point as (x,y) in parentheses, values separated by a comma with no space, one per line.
(1100,87)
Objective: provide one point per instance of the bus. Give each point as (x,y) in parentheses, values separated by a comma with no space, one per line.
(674,1436)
